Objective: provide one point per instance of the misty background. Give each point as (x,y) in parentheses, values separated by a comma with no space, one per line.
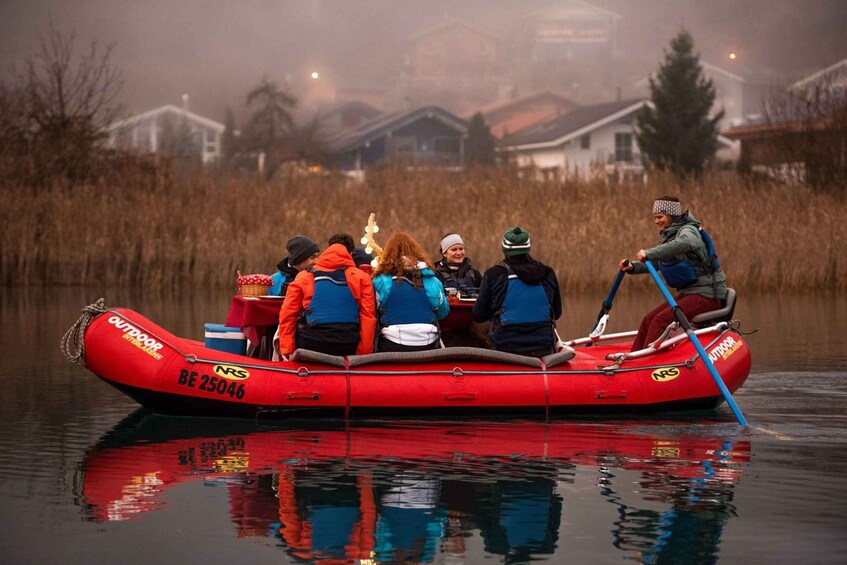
(217,51)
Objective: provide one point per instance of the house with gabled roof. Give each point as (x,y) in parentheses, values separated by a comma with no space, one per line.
(802,138)
(455,65)
(586,136)
(333,119)
(166,128)
(833,78)
(506,117)
(452,48)
(600,136)
(428,135)
(573,30)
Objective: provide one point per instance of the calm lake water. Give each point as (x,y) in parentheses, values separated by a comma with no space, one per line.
(85,477)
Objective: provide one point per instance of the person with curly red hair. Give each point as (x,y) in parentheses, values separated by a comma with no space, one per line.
(410,298)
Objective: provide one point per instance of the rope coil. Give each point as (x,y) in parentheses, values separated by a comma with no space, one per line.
(73,342)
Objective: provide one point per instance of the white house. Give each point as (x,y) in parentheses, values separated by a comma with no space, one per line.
(148,133)
(586,137)
(590,139)
(832,78)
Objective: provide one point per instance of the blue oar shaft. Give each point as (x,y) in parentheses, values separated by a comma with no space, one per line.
(607,304)
(680,317)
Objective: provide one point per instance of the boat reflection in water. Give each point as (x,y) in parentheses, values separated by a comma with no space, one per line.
(407,491)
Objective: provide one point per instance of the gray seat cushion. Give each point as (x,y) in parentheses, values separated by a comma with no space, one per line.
(449,354)
(558,358)
(317,357)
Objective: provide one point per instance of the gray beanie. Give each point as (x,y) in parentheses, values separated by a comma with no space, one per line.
(300,248)
(515,242)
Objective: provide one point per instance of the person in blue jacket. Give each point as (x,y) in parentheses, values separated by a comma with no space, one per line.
(410,298)
(521,298)
(302,254)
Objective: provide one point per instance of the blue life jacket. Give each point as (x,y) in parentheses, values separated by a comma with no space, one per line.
(679,273)
(406,304)
(523,303)
(332,302)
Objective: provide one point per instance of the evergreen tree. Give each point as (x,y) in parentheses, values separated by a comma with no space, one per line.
(480,145)
(677,134)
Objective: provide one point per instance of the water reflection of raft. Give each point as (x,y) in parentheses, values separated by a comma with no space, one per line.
(173,375)
(145,455)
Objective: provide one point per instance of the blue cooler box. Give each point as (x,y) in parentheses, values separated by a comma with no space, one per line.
(225,338)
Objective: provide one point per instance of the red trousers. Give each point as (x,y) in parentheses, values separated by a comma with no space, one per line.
(657,319)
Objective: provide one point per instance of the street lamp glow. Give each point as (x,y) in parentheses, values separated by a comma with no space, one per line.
(732,56)
(315,75)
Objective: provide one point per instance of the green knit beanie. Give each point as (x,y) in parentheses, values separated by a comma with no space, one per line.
(515,242)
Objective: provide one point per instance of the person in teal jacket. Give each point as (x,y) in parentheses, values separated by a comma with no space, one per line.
(410,298)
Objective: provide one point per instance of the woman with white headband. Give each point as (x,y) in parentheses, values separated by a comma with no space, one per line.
(455,269)
(688,264)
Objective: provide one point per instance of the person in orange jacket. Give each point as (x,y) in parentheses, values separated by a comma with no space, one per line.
(330,309)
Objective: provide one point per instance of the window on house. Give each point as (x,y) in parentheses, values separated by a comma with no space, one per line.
(585,141)
(623,147)
(402,148)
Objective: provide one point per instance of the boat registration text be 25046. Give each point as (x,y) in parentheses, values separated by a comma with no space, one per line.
(211,384)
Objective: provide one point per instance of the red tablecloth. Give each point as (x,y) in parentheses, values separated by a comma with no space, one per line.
(253,315)
(459,317)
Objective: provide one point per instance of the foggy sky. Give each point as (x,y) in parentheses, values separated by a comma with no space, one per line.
(216,50)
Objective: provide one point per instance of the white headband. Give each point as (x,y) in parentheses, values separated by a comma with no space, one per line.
(667,207)
(449,241)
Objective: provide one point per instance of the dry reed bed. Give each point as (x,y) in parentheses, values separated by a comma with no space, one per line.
(164,231)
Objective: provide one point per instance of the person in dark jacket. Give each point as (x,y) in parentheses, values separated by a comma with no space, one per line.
(521,298)
(302,254)
(683,258)
(455,269)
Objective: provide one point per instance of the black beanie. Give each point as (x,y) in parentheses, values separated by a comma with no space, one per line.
(300,248)
(361,257)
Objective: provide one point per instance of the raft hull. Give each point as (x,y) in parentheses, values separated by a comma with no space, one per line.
(177,376)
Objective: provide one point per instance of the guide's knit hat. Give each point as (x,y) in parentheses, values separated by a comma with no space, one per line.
(449,241)
(515,242)
(300,248)
(667,207)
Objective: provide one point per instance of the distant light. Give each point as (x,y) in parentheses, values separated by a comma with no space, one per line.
(315,74)
(732,56)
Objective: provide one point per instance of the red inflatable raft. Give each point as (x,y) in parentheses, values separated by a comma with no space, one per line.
(173,375)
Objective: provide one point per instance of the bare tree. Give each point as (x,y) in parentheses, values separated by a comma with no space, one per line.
(805,135)
(271,121)
(59,104)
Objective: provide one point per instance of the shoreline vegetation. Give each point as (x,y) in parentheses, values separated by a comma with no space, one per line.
(157,230)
